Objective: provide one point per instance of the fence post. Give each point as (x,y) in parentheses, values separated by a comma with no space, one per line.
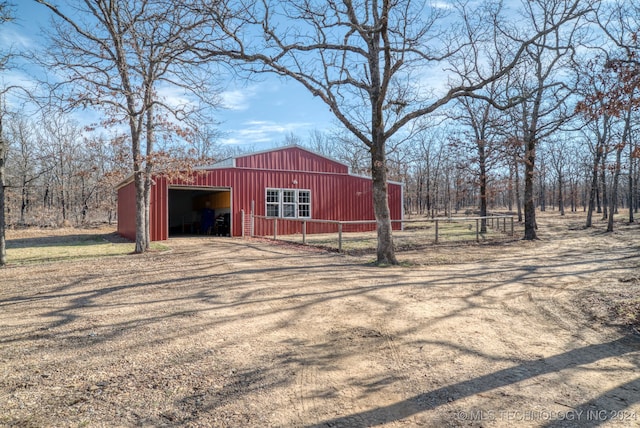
(304,232)
(436,231)
(512,226)
(504,224)
(252,225)
(275,228)
(242,221)
(477,230)
(340,237)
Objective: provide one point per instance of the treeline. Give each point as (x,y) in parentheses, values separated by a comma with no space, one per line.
(442,177)
(60,174)
(56,175)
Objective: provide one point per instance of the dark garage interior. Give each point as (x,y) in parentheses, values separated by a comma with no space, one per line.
(199,211)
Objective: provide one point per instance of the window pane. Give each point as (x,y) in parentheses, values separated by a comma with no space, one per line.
(303,210)
(272,195)
(288,210)
(304,196)
(289,196)
(272,210)
(304,203)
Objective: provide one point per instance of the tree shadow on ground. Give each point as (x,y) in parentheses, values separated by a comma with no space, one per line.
(613,402)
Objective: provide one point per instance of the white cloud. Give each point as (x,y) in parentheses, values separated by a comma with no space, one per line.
(261,131)
(230,141)
(441,5)
(174,96)
(237,99)
(14,40)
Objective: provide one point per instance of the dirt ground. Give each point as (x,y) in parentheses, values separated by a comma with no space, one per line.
(225,332)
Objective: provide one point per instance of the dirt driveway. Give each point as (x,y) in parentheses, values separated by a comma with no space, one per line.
(229,332)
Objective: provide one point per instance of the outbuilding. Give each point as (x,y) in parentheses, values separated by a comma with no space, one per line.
(287,183)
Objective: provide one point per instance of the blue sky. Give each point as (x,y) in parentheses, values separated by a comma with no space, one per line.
(256,114)
(265,112)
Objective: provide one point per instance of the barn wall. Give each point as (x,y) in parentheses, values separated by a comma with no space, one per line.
(291,159)
(395,202)
(333,197)
(127,211)
(159,211)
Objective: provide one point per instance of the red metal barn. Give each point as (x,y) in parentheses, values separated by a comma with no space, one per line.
(287,183)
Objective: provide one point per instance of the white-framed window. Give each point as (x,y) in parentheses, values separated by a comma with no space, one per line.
(273,203)
(288,203)
(304,203)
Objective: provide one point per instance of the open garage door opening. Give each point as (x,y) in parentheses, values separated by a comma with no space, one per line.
(202,211)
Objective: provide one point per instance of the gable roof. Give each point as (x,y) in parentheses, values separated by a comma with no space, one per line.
(287,158)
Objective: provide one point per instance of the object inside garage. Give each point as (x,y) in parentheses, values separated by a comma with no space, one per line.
(199,211)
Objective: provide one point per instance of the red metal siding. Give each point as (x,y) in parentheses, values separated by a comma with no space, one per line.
(159,211)
(127,211)
(291,159)
(333,197)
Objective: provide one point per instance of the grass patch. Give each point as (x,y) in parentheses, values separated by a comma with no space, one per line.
(62,248)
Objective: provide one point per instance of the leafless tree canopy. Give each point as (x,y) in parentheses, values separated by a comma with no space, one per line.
(371,61)
(118,56)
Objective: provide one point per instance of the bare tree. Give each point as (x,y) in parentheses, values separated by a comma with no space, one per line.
(205,141)
(484,124)
(366,60)
(61,146)
(544,89)
(598,127)
(514,149)
(619,21)
(25,159)
(116,56)
(5,15)
(563,154)
(3,150)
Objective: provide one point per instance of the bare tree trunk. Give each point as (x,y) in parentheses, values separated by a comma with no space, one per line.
(636,185)
(616,173)
(23,201)
(147,177)
(419,190)
(560,194)
(435,198)
(510,190)
(517,184)
(3,244)
(542,196)
(529,202)
(630,188)
(613,198)
(385,250)
(482,159)
(593,194)
(598,200)
(603,184)
(139,183)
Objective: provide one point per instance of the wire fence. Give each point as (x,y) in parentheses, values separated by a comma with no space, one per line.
(349,236)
